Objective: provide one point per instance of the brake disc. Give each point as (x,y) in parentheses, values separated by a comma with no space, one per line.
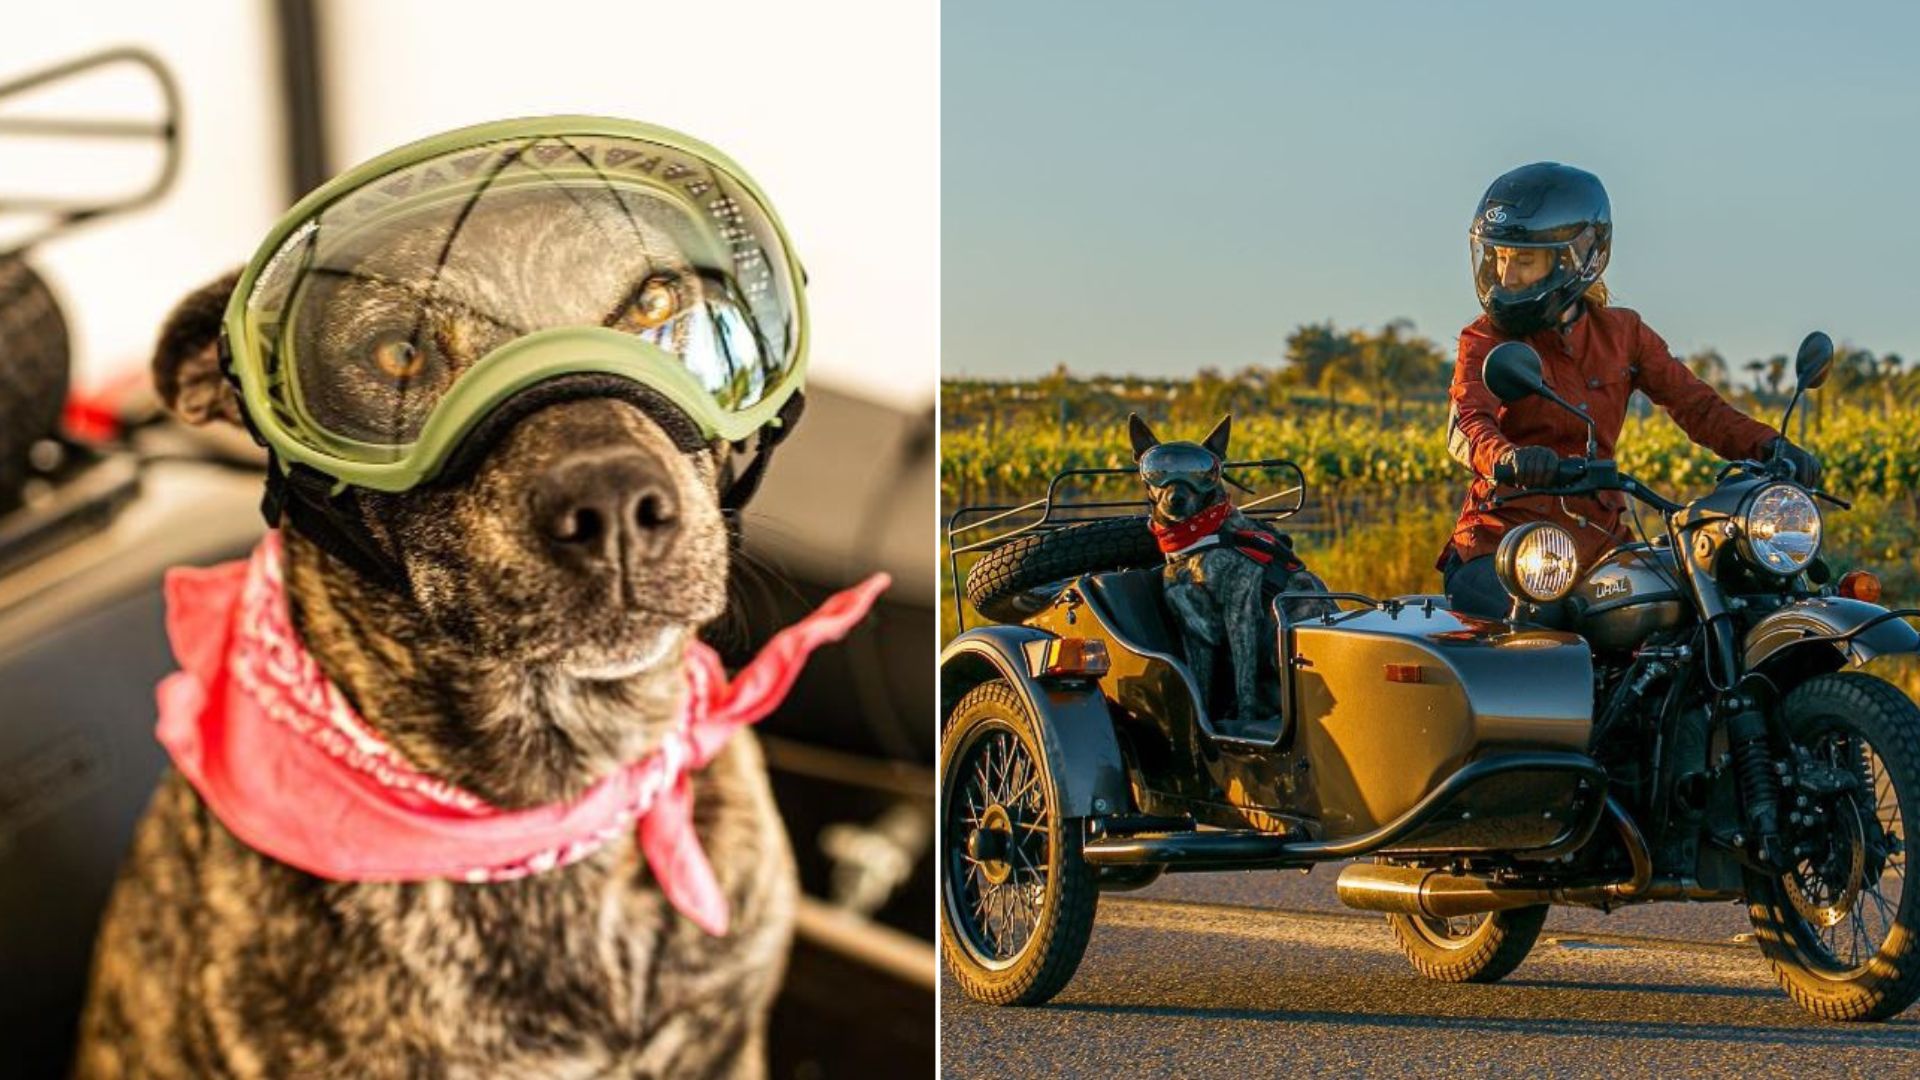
(1825,893)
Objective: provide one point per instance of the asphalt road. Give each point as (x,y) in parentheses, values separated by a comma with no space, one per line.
(1265,974)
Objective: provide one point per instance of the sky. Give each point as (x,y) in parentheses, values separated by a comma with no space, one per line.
(1142,187)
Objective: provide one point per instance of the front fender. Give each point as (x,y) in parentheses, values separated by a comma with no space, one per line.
(1076,732)
(1781,634)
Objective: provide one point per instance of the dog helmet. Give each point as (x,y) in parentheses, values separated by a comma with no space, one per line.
(1544,205)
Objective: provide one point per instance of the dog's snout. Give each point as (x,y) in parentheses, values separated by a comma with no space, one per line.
(595,509)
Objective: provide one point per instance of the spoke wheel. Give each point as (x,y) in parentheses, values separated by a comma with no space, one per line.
(1017,898)
(1451,933)
(1841,927)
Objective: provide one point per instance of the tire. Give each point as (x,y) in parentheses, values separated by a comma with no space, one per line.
(1476,949)
(34,375)
(1860,985)
(994,962)
(1005,585)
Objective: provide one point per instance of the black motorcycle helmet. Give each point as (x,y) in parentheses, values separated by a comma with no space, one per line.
(1543,205)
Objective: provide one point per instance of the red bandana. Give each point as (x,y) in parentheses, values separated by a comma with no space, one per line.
(1181,535)
(282,760)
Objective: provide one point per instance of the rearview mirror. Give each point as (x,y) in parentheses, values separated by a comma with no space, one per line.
(1813,363)
(1512,371)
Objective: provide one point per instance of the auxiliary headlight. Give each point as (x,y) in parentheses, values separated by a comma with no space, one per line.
(1537,561)
(1780,529)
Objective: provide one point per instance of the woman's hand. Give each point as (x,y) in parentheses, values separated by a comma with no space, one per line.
(1806,467)
(1533,466)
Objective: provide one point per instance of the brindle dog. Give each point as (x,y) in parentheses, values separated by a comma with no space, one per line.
(521,662)
(1216,591)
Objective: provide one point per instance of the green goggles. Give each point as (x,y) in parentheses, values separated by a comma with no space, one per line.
(398,305)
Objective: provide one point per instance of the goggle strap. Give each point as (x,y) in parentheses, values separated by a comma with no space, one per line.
(748,482)
(304,499)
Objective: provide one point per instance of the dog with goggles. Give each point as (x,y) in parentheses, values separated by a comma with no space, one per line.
(456,787)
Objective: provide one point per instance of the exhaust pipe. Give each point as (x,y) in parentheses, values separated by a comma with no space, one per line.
(1438,894)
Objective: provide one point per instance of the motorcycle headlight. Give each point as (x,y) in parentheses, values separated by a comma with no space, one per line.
(1780,529)
(1537,561)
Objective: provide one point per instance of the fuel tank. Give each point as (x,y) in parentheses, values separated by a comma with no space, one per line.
(1390,703)
(1631,592)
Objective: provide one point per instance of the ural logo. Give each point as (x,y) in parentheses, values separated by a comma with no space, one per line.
(1497,215)
(1605,587)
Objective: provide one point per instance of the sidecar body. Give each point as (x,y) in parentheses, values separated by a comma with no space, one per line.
(1404,729)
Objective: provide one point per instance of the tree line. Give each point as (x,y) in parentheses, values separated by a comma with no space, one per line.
(1391,373)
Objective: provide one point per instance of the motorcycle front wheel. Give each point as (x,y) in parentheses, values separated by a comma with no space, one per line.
(1841,928)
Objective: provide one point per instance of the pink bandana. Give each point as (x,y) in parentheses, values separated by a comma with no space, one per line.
(283,761)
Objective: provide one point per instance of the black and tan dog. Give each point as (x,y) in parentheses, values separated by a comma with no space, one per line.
(524,659)
(1222,569)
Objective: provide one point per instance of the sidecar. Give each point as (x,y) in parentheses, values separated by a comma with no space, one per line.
(1079,753)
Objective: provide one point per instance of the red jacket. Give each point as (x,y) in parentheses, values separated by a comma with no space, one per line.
(1595,364)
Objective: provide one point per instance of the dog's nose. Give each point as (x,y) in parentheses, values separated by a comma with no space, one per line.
(598,508)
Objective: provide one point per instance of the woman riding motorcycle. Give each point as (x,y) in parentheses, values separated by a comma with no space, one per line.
(1540,242)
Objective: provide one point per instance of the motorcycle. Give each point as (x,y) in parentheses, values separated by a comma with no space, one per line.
(1676,722)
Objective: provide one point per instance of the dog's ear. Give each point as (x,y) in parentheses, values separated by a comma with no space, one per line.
(186,362)
(1216,440)
(1142,435)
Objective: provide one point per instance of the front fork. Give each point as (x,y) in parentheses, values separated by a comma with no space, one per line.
(1755,768)
(1758,775)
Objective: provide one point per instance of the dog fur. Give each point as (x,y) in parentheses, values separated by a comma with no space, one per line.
(1216,591)
(507,670)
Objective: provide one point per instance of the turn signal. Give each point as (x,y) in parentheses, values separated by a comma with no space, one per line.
(1860,585)
(1070,657)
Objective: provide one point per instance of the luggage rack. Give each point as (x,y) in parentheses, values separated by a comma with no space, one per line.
(58,212)
(1058,512)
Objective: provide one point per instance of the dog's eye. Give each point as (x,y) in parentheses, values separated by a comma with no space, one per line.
(653,304)
(398,358)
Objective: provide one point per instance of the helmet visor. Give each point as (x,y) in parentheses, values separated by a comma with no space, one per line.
(1510,270)
(384,298)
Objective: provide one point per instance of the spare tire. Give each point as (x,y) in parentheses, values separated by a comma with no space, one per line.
(1006,585)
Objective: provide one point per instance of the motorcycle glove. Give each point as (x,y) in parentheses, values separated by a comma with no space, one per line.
(1806,467)
(1533,466)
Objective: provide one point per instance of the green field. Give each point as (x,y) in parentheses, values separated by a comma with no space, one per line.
(1383,491)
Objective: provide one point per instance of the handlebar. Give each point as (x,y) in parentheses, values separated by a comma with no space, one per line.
(1584,476)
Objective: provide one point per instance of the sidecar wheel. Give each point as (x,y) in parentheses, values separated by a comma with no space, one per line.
(1475,948)
(1841,930)
(1017,897)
